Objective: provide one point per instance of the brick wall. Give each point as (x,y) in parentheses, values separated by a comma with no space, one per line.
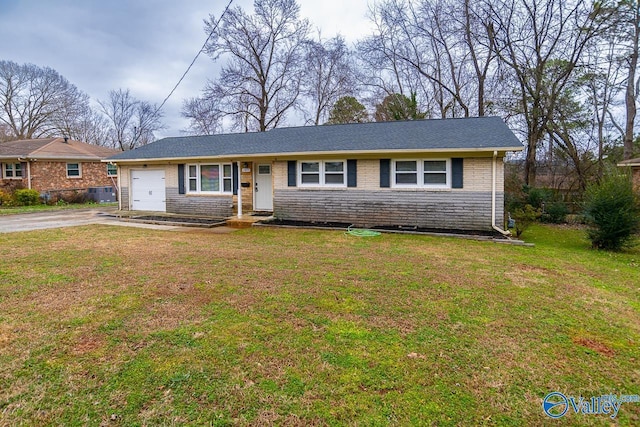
(367,208)
(468,208)
(636,178)
(53,176)
(247,192)
(124,198)
(10,185)
(218,206)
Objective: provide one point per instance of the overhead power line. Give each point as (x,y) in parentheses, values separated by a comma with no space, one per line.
(215,27)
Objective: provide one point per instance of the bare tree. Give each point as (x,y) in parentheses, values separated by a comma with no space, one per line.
(442,45)
(36,101)
(261,80)
(475,26)
(5,133)
(132,122)
(205,117)
(328,75)
(87,125)
(602,86)
(384,71)
(629,20)
(569,129)
(542,44)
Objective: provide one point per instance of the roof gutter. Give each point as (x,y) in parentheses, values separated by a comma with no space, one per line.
(493,196)
(316,153)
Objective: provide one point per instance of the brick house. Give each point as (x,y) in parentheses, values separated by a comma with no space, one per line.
(55,164)
(438,174)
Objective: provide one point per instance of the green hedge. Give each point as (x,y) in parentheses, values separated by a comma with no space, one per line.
(27,197)
(612,211)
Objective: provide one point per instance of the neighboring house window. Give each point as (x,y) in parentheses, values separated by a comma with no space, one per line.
(216,178)
(328,173)
(74,170)
(12,170)
(422,173)
(112,170)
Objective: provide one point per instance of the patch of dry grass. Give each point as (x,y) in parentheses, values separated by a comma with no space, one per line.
(269,326)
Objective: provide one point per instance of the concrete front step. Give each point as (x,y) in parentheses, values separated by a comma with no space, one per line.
(246,221)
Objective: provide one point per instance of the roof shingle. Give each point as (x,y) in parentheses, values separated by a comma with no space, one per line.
(53,148)
(419,135)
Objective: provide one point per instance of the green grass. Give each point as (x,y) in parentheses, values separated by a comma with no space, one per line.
(45,208)
(128,326)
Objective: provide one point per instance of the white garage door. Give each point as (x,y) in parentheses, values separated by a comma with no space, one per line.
(148,191)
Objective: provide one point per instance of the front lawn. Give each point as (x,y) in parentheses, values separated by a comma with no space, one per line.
(120,326)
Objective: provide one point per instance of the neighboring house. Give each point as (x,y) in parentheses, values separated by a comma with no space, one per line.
(634,164)
(55,164)
(439,174)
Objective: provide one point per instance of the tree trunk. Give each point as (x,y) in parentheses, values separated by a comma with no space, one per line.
(530,161)
(481,97)
(600,144)
(630,95)
(630,100)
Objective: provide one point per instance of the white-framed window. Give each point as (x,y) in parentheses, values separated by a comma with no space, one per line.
(322,173)
(112,170)
(74,170)
(429,173)
(12,170)
(210,178)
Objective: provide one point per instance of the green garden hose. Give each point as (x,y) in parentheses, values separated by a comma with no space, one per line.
(361,232)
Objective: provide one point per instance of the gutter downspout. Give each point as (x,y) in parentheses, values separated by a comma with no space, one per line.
(493,197)
(239,192)
(29,174)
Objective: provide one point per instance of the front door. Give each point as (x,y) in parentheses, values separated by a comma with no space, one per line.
(263,190)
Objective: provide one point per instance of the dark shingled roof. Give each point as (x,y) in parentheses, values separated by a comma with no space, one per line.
(419,135)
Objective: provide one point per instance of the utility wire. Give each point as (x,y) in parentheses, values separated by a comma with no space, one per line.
(215,27)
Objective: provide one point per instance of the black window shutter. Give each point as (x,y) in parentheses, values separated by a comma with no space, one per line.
(235,178)
(181,189)
(385,173)
(456,172)
(352,173)
(292,172)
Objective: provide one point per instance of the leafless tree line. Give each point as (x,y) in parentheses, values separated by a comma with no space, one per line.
(560,72)
(38,102)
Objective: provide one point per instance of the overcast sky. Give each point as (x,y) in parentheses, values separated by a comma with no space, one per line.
(143,45)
